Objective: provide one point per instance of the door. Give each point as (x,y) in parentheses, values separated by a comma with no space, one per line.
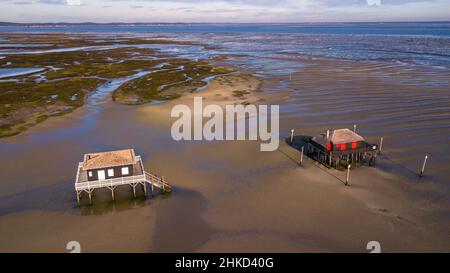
(101,175)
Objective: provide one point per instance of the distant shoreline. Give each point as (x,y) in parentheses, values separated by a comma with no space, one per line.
(58,24)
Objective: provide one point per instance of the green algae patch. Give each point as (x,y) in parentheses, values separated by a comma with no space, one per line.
(175,79)
(79,63)
(25,104)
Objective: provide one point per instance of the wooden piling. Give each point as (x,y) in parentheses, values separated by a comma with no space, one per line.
(134,189)
(78,198)
(381,145)
(144,186)
(423,166)
(348,175)
(301,155)
(292,136)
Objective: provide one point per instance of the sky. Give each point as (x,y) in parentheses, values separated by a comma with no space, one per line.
(222,11)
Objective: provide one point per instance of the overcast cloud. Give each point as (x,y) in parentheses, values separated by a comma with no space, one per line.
(222,10)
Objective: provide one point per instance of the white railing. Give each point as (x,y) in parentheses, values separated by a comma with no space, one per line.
(80,165)
(110,182)
(157,181)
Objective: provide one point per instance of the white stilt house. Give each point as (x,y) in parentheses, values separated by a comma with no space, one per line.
(113,169)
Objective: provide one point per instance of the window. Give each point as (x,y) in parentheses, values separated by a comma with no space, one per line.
(110,172)
(125,171)
(90,174)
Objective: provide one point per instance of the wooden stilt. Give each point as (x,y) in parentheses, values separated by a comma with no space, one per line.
(134,189)
(90,197)
(112,193)
(144,186)
(78,198)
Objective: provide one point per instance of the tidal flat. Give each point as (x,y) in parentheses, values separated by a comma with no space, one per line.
(65,69)
(228,196)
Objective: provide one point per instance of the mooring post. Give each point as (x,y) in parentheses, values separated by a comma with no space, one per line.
(423,166)
(301,155)
(381,145)
(348,175)
(292,136)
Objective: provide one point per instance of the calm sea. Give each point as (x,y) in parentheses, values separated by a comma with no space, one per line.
(391,28)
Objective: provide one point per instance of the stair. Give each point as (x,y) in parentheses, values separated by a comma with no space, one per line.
(158,182)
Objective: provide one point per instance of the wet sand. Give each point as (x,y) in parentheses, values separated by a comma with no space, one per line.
(229,196)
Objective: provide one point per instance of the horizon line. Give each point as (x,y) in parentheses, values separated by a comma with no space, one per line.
(228,23)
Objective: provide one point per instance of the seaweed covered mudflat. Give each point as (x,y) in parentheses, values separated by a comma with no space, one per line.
(44,75)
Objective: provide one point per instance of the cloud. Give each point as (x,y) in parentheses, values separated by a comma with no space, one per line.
(74,2)
(374,2)
(62,2)
(366,2)
(285,3)
(22,3)
(224,10)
